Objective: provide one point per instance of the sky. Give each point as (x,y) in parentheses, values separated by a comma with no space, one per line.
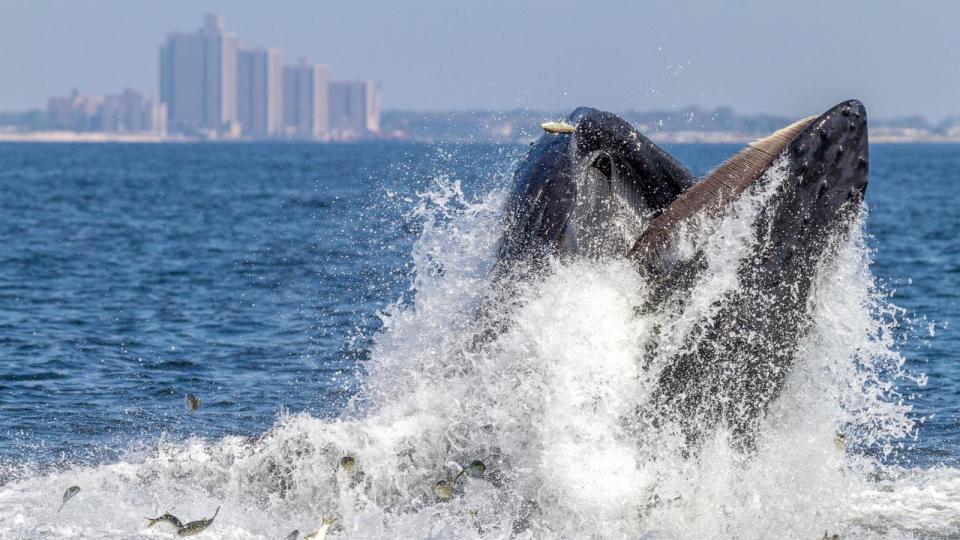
(779,57)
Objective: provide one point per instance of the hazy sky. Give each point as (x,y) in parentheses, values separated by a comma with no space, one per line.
(790,57)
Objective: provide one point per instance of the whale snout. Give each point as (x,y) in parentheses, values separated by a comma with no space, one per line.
(835,148)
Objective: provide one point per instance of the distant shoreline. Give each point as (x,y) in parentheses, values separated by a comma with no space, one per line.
(664,137)
(91,137)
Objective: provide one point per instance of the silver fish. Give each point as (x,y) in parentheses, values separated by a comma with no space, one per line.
(193,403)
(557,127)
(197,527)
(320,533)
(476,468)
(294,534)
(168,518)
(67,495)
(839,441)
(348,463)
(443,489)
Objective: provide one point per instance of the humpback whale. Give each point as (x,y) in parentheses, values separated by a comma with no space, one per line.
(593,186)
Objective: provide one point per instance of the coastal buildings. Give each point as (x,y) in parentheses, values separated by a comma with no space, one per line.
(75,112)
(260,92)
(127,112)
(132,112)
(214,89)
(354,109)
(198,80)
(306,101)
(211,88)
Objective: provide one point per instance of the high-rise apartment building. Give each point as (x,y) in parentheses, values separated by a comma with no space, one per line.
(305,101)
(354,108)
(260,92)
(198,79)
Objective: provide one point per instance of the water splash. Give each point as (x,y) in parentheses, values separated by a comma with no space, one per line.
(551,408)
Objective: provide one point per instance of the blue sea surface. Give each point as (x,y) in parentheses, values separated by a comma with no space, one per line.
(252,275)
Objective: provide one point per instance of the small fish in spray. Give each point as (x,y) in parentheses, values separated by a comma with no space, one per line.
(193,403)
(557,127)
(165,518)
(443,489)
(475,469)
(828,536)
(839,441)
(197,527)
(294,535)
(320,533)
(67,495)
(349,463)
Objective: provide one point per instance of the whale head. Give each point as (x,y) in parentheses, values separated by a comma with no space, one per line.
(589,190)
(601,188)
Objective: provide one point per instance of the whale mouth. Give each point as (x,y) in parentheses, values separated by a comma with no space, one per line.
(604,164)
(606,214)
(605,190)
(565,172)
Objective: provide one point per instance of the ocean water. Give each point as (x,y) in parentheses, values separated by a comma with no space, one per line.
(315,297)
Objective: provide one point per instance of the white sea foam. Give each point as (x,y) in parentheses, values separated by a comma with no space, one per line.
(551,408)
